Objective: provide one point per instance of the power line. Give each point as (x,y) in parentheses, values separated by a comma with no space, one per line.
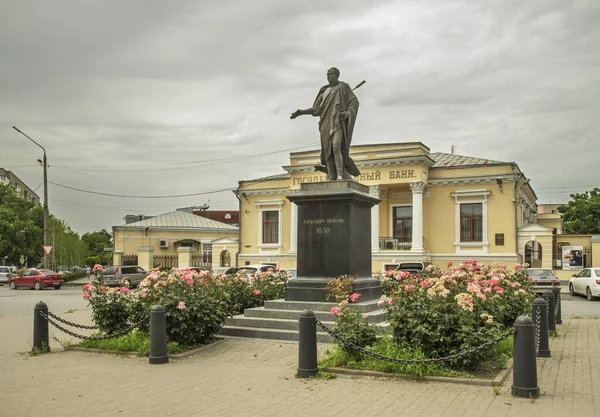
(145,196)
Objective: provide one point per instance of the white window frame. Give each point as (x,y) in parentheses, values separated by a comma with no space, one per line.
(471,197)
(270,205)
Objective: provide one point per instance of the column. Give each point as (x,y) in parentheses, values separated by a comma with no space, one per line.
(293,228)
(184,257)
(117,257)
(145,257)
(374,191)
(417,189)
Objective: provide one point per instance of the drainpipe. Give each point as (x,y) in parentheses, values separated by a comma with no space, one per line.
(517,177)
(237,254)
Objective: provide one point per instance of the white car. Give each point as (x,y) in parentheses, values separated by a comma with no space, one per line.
(586,282)
(5,274)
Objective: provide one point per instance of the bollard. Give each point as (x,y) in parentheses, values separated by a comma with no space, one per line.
(549,297)
(524,365)
(307,344)
(158,336)
(540,309)
(558,299)
(40,328)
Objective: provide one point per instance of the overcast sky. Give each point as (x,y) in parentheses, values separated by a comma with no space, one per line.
(154,98)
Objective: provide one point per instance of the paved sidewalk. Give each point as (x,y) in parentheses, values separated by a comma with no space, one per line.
(253,377)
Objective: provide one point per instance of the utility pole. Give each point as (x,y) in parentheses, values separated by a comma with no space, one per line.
(46,214)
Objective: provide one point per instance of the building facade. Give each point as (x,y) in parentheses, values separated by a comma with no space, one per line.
(9,178)
(434,207)
(176,239)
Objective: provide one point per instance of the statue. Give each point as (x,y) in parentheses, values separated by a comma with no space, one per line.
(337,107)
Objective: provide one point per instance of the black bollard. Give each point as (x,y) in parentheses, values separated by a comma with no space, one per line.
(524,365)
(41,342)
(559,304)
(158,336)
(549,297)
(539,314)
(307,344)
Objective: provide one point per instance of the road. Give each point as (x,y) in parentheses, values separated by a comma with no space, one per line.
(22,301)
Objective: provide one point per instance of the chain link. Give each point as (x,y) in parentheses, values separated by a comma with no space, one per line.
(557,304)
(68,323)
(105,337)
(415,361)
(537,328)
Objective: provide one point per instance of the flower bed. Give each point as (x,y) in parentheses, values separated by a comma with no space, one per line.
(196,304)
(437,314)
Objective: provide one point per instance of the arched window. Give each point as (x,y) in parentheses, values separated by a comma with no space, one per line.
(225,258)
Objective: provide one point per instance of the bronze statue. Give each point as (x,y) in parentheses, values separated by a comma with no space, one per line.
(337,107)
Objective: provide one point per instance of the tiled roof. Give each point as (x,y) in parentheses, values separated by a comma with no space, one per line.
(451,160)
(181,219)
(220,215)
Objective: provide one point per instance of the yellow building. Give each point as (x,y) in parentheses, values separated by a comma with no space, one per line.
(179,238)
(548,215)
(435,207)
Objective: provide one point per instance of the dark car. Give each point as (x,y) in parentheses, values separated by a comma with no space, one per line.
(123,275)
(543,279)
(413,268)
(36,278)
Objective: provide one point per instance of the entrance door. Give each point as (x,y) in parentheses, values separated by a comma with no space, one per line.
(533,254)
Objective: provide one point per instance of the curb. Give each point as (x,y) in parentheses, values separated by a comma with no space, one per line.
(496,382)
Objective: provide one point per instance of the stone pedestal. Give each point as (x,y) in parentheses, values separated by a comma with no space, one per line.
(334,238)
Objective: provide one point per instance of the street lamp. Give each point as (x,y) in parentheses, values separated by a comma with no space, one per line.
(46,231)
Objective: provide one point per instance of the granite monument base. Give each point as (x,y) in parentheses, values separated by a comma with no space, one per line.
(334,238)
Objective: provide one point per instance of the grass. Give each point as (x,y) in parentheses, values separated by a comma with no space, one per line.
(136,341)
(336,358)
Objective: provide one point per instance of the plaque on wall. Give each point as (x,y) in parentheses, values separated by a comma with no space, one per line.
(499,239)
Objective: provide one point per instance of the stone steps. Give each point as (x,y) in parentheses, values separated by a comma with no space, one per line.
(278,320)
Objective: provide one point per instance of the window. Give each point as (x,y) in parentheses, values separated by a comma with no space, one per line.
(207,253)
(270,226)
(471,222)
(403,223)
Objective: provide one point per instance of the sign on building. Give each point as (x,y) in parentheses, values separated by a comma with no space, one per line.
(572,257)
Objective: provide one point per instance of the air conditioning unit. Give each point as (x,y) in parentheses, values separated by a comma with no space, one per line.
(164,244)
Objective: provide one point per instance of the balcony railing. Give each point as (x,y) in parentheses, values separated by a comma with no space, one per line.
(395,243)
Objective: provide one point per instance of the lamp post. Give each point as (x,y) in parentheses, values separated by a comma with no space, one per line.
(46,230)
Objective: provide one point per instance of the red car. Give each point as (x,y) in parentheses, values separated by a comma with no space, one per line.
(36,278)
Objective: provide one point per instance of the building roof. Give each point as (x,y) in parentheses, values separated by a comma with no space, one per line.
(180,220)
(220,215)
(452,160)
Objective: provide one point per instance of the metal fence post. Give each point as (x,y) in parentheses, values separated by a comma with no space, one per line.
(158,336)
(307,344)
(40,328)
(558,300)
(549,296)
(539,314)
(524,365)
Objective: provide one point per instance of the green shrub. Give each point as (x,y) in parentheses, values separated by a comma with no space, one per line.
(71,276)
(352,325)
(112,308)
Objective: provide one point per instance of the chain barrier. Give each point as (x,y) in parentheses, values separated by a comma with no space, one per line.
(537,329)
(556,304)
(415,361)
(105,337)
(68,323)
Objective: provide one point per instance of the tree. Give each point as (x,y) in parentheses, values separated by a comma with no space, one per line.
(21,228)
(68,248)
(582,213)
(96,242)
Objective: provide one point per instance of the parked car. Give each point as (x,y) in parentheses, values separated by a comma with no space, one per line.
(123,275)
(413,268)
(36,278)
(543,279)
(5,274)
(198,269)
(252,269)
(586,282)
(226,270)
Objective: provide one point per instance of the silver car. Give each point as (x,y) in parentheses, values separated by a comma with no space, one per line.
(543,279)
(123,275)
(5,274)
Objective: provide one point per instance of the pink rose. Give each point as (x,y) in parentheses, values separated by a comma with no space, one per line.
(86,287)
(389,273)
(124,290)
(181,305)
(517,268)
(499,290)
(424,283)
(449,264)
(354,297)
(256,292)
(144,294)
(335,311)
(87,296)
(379,303)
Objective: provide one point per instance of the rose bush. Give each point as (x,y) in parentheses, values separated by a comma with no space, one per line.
(196,304)
(445,312)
